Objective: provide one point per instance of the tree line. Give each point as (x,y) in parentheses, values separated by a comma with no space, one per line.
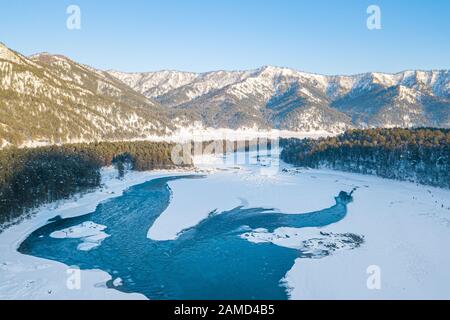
(31,177)
(419,155)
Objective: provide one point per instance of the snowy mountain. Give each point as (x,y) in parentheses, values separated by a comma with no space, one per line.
(49,98)
(283,98)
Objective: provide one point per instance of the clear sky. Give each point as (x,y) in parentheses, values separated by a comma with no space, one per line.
(319,36)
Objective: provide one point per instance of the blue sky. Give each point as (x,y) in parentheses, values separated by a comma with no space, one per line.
(322,36)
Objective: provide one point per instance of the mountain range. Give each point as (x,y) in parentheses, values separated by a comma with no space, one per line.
(49,98)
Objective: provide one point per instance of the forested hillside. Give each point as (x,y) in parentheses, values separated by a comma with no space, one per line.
(30,177)
(419,155)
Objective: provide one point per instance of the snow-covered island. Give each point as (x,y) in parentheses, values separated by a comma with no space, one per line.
(399,229)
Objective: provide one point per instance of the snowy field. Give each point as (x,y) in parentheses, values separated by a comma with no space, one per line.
(405,228)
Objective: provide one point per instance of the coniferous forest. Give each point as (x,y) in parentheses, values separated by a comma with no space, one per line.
(418,155)
(31,177)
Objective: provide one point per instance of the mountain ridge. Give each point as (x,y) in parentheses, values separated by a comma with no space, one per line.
(412,94)
(50,98)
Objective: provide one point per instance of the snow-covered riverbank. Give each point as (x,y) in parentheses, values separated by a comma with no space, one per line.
(406,231)
(27,277)
(404,227)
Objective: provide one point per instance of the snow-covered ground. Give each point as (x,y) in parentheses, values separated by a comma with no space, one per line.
(198,132)
(405,231)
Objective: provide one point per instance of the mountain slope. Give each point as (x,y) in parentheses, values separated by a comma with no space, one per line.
(52,99)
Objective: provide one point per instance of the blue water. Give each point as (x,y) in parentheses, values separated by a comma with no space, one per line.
(208,261)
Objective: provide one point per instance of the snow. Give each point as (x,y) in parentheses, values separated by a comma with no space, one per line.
(117,282)
(311,241)
(408,95)
(198,132)
(89,232)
